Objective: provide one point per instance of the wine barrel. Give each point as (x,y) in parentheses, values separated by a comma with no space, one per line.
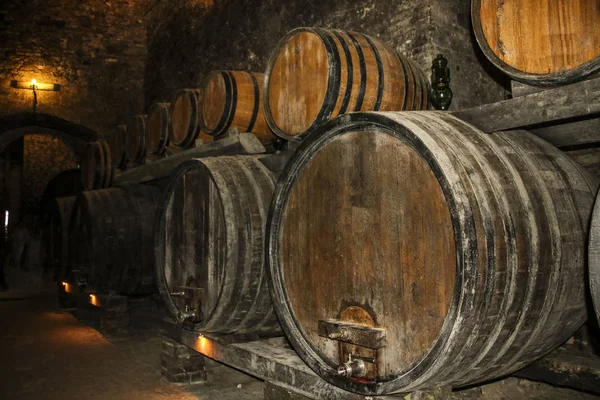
(117,147)
(432,253)
(209,245)
(316,74)
(58,245)
(96,167)
(594,258)
(157,129)
(233,99)
(185,118)
(540,42)
(111,239)
(135,139)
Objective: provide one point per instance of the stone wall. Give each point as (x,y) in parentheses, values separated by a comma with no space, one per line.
(186,39)
(95,49)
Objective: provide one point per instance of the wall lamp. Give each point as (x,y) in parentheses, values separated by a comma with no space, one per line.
(35,86)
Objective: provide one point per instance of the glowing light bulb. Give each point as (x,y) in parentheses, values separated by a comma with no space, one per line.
(33,82)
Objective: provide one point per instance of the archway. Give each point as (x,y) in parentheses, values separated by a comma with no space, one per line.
(33,149)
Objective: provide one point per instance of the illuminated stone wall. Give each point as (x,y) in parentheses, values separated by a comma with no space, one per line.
(95,49)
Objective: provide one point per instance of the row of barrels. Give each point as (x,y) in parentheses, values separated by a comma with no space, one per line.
(381,225)
(312,76)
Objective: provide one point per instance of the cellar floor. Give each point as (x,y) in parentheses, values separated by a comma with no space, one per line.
(47,354)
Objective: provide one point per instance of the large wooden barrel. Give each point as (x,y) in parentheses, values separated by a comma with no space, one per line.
(157,128)
(209,245)
(135,139)
(185,118)
(233,99)
(315,74)
(594,258)
(117,147)
(97,168)
(430,252)
(58,244)
(540,42)
(111,239)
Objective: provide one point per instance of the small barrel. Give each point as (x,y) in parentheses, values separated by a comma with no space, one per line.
(316,74)
(594,257)
(96,167)
(117,147)
(432,253)
(157,129)
(111,239)
(135,139)
(544,43)
(209,245)
(185,118)
(58,237)
(233,99)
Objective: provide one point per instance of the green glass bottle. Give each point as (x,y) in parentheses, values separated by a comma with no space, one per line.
(441,94)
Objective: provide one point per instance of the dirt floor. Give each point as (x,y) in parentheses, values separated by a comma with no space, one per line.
(48,354)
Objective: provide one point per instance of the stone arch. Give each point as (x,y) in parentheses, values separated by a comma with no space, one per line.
(15,126)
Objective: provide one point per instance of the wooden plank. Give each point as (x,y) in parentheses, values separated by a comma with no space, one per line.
(572,133)
(360,335)
(584,133)
(265,361)
(567,102)
(244,143)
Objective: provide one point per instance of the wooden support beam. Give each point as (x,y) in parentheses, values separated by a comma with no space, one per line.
(241,144)
(280,365)
(566,104)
